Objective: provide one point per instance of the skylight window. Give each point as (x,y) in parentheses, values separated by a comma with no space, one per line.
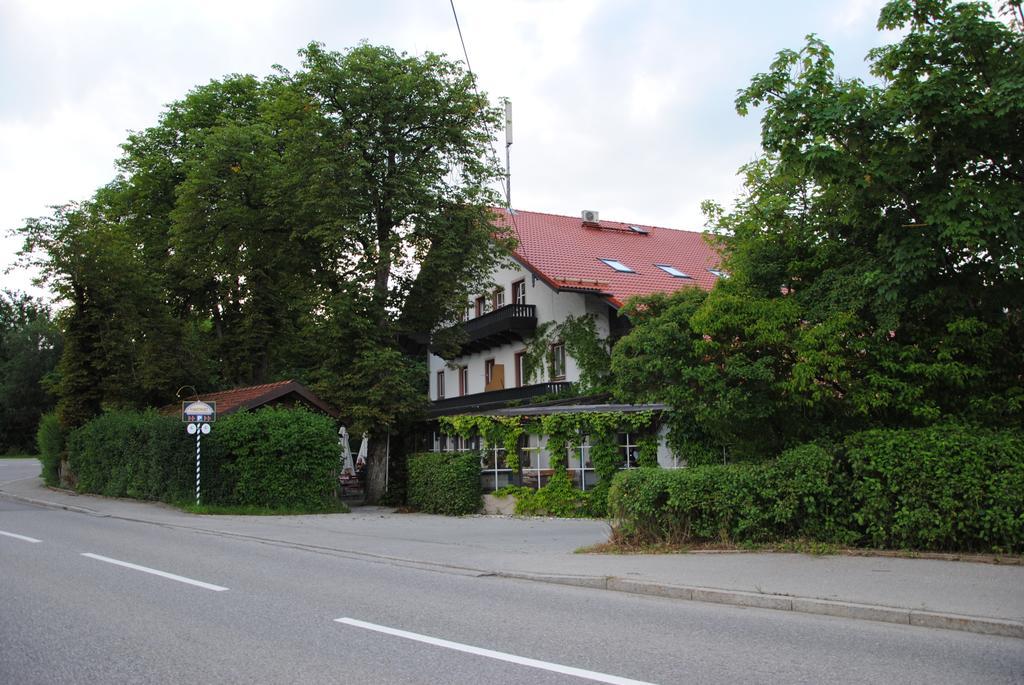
(719,273)
(617,265)
(638,229)
(672,271)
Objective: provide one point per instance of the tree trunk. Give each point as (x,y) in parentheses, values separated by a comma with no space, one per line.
(376,468)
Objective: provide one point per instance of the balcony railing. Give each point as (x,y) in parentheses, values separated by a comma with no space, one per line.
(504,325)
(496,399)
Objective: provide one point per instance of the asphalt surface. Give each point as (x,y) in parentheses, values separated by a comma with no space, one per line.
(69,618)
(968,596)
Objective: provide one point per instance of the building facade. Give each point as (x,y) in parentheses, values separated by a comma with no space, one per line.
(562,267)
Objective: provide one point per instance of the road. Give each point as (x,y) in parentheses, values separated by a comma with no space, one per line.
(83,603)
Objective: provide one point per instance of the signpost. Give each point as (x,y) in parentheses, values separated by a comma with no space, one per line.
(198,415)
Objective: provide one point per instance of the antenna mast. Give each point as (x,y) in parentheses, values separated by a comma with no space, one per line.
(508,159)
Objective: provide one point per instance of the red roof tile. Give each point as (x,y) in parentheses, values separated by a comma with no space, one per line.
(566,253)
(229,401)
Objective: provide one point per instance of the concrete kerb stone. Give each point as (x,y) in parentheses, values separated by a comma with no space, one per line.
(594,582)
(849,610)
(51,505)
(824,607)
(641,588)
(986,626)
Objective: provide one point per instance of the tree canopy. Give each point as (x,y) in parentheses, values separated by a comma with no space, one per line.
(875,257)
(300,225)
(30,345)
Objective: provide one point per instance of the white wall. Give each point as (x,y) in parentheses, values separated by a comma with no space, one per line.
(551,306)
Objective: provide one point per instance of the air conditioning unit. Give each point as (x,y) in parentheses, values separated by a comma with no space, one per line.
(590,216)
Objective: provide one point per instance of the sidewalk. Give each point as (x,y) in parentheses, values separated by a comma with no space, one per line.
(977,597)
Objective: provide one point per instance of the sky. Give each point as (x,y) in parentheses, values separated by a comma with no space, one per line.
(620,106)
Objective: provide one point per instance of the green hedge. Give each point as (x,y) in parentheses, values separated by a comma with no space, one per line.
(445,482)
(50,443)
(133,454)
(942,488)
(558,497)
(272,457)
(945,487)
(790,497)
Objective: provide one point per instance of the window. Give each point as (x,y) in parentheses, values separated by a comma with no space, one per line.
(579,467)
(519,292)
(440,385)
(533,461)
(617,265)
(463,380)
(558,362)
(638,229)
(498,298)
(629,451)
(520,381)
(494,471)
(488,371)
(672,271)
(481,305)
(455,443)
(719,273)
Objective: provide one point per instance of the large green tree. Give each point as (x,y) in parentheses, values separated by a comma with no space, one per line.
(400,185)
(122,346)
(30,345)
(876,256)
(315,225)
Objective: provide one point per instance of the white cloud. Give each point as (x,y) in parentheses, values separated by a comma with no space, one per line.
(619,106)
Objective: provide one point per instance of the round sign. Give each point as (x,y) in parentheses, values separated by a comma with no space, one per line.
(205,428)
(191,429)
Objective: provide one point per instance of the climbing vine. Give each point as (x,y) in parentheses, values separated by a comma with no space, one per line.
(492,430)
(579,333)
(537,353)
(592,352)
(566,433)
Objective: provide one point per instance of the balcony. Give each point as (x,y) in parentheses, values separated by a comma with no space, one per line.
(506,324)
(496,399)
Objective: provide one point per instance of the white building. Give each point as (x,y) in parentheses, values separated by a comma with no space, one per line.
(563,266)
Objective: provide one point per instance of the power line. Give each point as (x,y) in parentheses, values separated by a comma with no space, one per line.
(505,186)
(465,53)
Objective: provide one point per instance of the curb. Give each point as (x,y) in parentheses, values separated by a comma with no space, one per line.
(825,607)
(52,505)
(806,605)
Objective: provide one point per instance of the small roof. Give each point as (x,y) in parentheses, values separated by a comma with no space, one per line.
(566,253)
(253,396)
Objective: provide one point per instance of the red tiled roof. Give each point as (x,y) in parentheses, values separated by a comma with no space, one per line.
(229,401)
(565,252)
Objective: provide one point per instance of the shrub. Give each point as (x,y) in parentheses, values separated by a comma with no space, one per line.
(946,487)
(557,498)
(133,454)
(789,497)
(50,442)
(273,457)
(445,482)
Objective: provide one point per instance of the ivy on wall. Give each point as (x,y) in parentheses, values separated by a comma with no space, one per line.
(566,432)
(579,333)
(493,431)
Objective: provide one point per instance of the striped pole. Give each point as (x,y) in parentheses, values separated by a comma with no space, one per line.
(199,434)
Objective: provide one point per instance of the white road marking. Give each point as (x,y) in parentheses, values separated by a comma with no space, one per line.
(162,574)
(490,653)
(19,537)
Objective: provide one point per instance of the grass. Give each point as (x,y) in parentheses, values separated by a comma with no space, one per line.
(19,456)
(799,546)
(253,510)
